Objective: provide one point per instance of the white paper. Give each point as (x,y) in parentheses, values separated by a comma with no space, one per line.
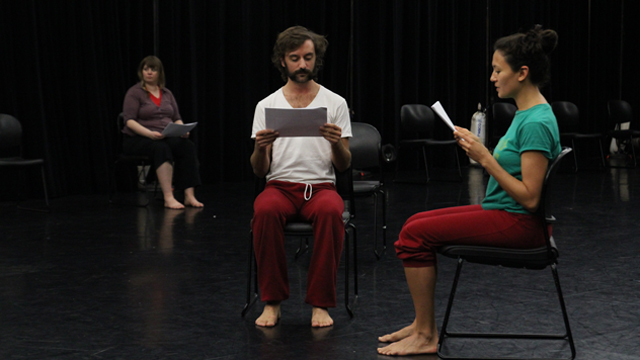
(437,107)
(295,122)
(175,130)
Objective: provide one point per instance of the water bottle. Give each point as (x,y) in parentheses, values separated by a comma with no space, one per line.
(479,126)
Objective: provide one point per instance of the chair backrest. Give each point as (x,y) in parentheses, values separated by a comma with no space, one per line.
(567,115)
(416,119)
(10,131)
(365,145)
(120,122)
(619,112)
(502,115)
(545,198)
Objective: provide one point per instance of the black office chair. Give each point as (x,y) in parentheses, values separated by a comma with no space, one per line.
(366,155)
(534,259)
(304,230)
(137,165)
(417,127)
(620,112)
(502,114)
(12,152)
(568,117)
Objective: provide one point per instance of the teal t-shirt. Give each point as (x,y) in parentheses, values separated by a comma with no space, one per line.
(534,129)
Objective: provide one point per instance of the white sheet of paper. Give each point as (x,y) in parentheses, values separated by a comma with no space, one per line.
(295,122)
(437,107)
(175,130)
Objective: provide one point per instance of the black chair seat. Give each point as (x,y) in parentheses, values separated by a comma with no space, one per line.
(299,228)
(365,187)
(537,258)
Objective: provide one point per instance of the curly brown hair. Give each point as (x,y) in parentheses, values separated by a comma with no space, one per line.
(290,40)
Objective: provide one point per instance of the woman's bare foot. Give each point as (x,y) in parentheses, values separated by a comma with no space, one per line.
(190,198)
(414,344)
(172,203)
(193,203)
(320,318)
(398,335)
(270,315)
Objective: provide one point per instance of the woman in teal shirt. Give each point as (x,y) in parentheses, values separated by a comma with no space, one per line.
(517,168)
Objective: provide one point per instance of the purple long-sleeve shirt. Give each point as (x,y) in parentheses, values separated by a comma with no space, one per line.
(139,107)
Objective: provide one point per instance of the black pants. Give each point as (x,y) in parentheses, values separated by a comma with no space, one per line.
(180,151)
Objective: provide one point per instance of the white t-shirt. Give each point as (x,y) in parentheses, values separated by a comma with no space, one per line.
(303,159)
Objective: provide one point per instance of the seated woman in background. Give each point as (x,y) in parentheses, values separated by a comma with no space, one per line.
(148,108)
(517,169)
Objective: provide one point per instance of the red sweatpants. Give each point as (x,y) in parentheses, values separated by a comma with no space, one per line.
(280,202)
(424,232)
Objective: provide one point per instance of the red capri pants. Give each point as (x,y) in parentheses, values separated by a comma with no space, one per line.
(424,232)
(283,201)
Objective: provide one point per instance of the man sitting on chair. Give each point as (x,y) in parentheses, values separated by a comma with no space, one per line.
(300,179)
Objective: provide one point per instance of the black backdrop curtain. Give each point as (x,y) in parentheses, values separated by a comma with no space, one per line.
(65,66)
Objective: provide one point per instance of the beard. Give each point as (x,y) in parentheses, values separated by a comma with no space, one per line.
(311,74)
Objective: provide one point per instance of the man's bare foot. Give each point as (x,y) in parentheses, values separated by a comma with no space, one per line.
(172,203)
(193,203)
(414,344)
(398,335)
(320,318)
(270,315)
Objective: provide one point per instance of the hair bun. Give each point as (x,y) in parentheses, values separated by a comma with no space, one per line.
(548,39)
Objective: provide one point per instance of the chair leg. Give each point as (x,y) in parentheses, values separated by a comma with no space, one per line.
(384,224)
(575,156)
(565,316)
(350,239)
(302,249)
(251,273)
(426,165)
(444,334)
(443,331)
(604,163)
(46,195)
(455,153)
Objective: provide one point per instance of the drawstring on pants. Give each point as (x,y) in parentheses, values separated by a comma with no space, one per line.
(310,189)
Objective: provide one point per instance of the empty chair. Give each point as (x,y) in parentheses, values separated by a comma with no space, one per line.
(568,117)
(417,126)
(533,259)
(11,145)
(620,112)
(366,155)
(502,114)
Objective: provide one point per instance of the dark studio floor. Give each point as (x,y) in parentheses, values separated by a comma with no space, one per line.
(91,280)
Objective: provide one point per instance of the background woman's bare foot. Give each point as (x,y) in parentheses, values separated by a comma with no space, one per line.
(270,315)
(413,345)
(193,203)
(320,318)
(173,204)
(398,335)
